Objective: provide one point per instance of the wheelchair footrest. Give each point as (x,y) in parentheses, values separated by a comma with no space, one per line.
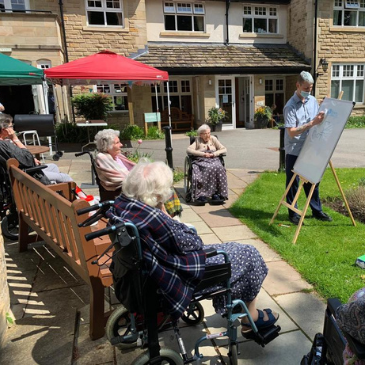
(263,336)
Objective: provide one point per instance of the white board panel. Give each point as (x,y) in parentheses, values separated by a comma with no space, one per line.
(322,140)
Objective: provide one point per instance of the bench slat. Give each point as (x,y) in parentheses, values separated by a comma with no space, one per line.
(54,219)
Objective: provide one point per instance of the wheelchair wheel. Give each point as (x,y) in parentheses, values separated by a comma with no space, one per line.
(10,227)
(168,357)
(194,315)
(233,355)
(119,325)
(187,179)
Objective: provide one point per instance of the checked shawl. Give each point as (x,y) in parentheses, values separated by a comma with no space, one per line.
(172,252)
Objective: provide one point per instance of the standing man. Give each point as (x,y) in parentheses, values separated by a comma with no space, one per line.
(301,114)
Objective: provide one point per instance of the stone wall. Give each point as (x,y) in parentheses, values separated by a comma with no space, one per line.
(337,44)
(301,26)
(4,294)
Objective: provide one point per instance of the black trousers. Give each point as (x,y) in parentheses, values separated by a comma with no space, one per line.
(315,202)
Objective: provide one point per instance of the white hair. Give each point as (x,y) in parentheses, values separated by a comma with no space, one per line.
(149,182)
(105,139)
(202,129)
(305,76)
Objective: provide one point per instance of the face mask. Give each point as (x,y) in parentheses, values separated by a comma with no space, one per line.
(305,94)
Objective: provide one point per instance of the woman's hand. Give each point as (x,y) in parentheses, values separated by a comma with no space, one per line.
(208,155)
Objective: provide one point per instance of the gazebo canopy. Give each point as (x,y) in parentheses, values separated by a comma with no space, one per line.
(15,72)
(104,67)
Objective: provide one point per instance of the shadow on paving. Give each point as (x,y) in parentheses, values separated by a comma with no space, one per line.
(47,298)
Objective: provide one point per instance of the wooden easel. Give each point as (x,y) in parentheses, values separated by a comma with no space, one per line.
(303,212)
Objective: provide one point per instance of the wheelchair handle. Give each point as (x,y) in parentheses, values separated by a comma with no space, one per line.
(104,204)
(78,154)
(102,232)
(35,168)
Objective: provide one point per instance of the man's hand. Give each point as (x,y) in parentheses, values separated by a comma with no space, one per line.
(318,119)
(37,162)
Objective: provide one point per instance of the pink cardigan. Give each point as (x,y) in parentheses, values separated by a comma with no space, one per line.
(110,173)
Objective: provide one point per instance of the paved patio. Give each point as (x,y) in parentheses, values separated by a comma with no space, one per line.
(49,302)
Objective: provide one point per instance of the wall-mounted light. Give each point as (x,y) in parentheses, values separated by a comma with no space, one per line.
(324,64)
(209,82)
(260,81)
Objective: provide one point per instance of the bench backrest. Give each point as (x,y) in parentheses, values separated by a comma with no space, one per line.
(176,115)
(54,219)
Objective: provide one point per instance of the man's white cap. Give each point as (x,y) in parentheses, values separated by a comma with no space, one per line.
(306,76)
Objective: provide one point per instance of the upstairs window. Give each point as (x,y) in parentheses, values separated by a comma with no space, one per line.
(349,13)
(260,19)
(105,13)
(118,93)
(14,5)
(349,79)
(188,17)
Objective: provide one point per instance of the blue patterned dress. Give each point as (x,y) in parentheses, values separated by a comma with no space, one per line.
(175,260)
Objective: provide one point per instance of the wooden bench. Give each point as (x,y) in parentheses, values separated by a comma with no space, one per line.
(180,121)
(54,220)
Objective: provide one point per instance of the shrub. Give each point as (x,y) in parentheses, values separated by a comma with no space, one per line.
(178,175)
(356,122)
(132,132)
(92,106)
(191,133)
(154,133)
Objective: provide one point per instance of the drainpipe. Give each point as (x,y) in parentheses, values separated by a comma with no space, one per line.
(228,3)
(60,3)
(315,46)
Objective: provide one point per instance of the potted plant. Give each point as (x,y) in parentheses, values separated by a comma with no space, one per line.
(215,118)
(262,117)
(94,106)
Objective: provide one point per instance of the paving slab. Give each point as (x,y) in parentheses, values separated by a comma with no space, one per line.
(283,279)
(220,218)
(307,311)
(233,233)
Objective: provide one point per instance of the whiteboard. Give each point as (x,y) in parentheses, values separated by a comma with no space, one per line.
(322,140)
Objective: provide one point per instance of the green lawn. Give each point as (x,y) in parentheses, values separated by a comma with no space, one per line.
(325,252)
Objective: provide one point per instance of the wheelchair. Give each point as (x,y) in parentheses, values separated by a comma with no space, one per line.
(137,321)
(188,176)
(327,348)
(103,193)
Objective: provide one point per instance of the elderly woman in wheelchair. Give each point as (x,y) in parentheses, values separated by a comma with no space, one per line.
(176,262)
(208,175)
(112,167)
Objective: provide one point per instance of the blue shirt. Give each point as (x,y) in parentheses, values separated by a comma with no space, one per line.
(297,113)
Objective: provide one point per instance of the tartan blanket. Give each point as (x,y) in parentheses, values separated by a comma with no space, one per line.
(172,252)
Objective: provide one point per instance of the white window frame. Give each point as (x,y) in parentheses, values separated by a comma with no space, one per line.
(104,9)
(113,91)
(274,90)
(249,12)
(338,73)
(176,8)
(44,64)
(162,91)
(354,6)
(8,5)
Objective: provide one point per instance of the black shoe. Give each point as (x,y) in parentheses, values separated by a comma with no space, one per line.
(322,216)
(216,197)
(294,219)
(202,199)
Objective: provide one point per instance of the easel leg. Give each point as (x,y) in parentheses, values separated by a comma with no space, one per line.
(342,193)
(303,213)
(283,198)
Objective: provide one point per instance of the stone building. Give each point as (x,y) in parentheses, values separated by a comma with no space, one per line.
(238,55)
